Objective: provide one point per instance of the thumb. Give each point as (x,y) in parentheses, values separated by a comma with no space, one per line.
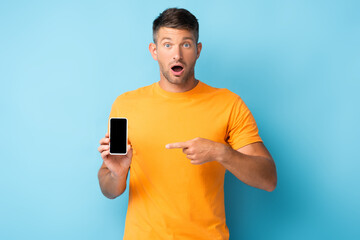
(129,148)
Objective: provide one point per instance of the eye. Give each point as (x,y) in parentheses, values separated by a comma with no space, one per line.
(187,45)
(167,45)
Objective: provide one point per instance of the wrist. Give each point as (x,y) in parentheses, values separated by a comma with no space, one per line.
(122,172)
(113,175)
(224,153)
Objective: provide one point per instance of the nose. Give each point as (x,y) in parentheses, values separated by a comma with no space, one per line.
(177,53)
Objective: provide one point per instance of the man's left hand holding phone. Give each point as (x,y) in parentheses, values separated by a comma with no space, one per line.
(117,156)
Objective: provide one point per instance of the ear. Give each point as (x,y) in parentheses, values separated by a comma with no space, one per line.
(152,49)
(199,47)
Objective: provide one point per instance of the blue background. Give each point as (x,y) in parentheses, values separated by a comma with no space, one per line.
(296,64)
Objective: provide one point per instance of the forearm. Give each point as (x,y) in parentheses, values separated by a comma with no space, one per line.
(112,186)
(256,171)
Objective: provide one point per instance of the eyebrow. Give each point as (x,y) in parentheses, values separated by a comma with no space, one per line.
(185,38)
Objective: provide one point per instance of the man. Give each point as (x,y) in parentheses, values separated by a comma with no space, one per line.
(183,136)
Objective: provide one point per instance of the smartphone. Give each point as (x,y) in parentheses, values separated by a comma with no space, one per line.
(118,136)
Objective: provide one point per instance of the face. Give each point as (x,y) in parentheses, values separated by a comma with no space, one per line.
(176,52)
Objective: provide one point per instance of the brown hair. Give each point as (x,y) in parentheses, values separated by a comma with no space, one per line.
(178,18)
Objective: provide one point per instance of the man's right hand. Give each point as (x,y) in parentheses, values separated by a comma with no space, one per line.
(115,163)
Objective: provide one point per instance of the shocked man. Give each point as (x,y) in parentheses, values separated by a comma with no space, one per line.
(183,136)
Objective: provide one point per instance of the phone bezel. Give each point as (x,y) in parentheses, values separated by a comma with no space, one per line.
(126,135)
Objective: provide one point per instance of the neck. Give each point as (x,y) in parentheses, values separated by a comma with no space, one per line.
(180,86)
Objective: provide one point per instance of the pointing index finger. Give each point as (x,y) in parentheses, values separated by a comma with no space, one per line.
(177,145)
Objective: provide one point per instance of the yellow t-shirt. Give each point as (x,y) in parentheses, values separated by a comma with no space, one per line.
(170,198)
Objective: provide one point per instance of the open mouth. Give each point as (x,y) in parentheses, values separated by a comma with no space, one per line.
(177,68)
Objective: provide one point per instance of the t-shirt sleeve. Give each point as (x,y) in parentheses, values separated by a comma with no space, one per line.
(242,128)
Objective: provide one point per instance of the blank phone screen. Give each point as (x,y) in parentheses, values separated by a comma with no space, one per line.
(118,135)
